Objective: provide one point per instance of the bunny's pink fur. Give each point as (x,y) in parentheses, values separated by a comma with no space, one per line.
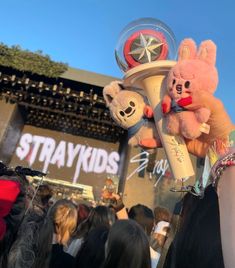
(195,70)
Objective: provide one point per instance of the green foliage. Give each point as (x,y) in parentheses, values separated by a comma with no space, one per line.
(24,60)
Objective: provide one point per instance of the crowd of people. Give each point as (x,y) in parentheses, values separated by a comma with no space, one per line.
(34,232)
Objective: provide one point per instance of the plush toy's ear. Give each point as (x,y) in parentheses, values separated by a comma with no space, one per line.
(207,52)
(187,50)
(110,91)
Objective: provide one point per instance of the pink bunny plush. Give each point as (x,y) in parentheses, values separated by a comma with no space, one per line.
(195,70)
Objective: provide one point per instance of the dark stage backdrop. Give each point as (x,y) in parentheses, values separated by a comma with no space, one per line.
(153,187)
(67,157)
(89,162)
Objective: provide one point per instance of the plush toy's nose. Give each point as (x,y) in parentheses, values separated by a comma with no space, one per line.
(128,110)
(179,88)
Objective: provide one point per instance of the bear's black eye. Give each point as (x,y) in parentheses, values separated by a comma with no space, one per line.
(132,104)
(187,84)
(121,113)
(173,82)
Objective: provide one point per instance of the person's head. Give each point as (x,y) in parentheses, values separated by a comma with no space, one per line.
(162,227)
(44,194)
(64,217)
(99,216)
(127,246)
(92,252)
(61,220)
(144,216)
(38,198)
(160,233)
(162,214)
(83,212)
(198,239)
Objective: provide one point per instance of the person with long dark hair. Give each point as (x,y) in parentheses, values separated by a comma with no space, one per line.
(145,218)
(83,212)
(99,216)
(127,246)
(198,241)
(92,252)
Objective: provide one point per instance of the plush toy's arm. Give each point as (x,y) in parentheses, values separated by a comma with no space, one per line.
(149,143)
(133,141)
(203,114)
(219,121)
(166,104)
(148,111)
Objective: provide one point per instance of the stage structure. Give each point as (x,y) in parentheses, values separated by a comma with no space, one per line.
(53,118)
(69,101)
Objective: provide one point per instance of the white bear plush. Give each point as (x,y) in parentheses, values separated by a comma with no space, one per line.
(130,111)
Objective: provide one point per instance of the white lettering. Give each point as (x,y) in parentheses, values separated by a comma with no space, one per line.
(79,163)
(92,160)
(143,162)
(89,159)
(72,152)
(59,155)
(46,152)
(24,146)
(113,160)
(85,158)
(161,166)
(37,141)
(101,161)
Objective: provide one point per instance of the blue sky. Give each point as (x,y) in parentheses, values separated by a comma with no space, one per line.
(84,33)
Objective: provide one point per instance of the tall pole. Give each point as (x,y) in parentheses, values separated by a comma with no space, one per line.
(124,151)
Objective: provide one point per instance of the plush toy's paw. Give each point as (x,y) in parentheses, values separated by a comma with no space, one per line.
(133,141)
(185,101)
(189,126)
(149,143)
(202,115)
(148,111)
(192,134)
(164,108)
(166,104)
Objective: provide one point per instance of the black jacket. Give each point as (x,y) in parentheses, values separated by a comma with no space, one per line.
(59,258)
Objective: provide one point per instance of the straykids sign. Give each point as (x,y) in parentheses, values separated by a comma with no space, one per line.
(48,151)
